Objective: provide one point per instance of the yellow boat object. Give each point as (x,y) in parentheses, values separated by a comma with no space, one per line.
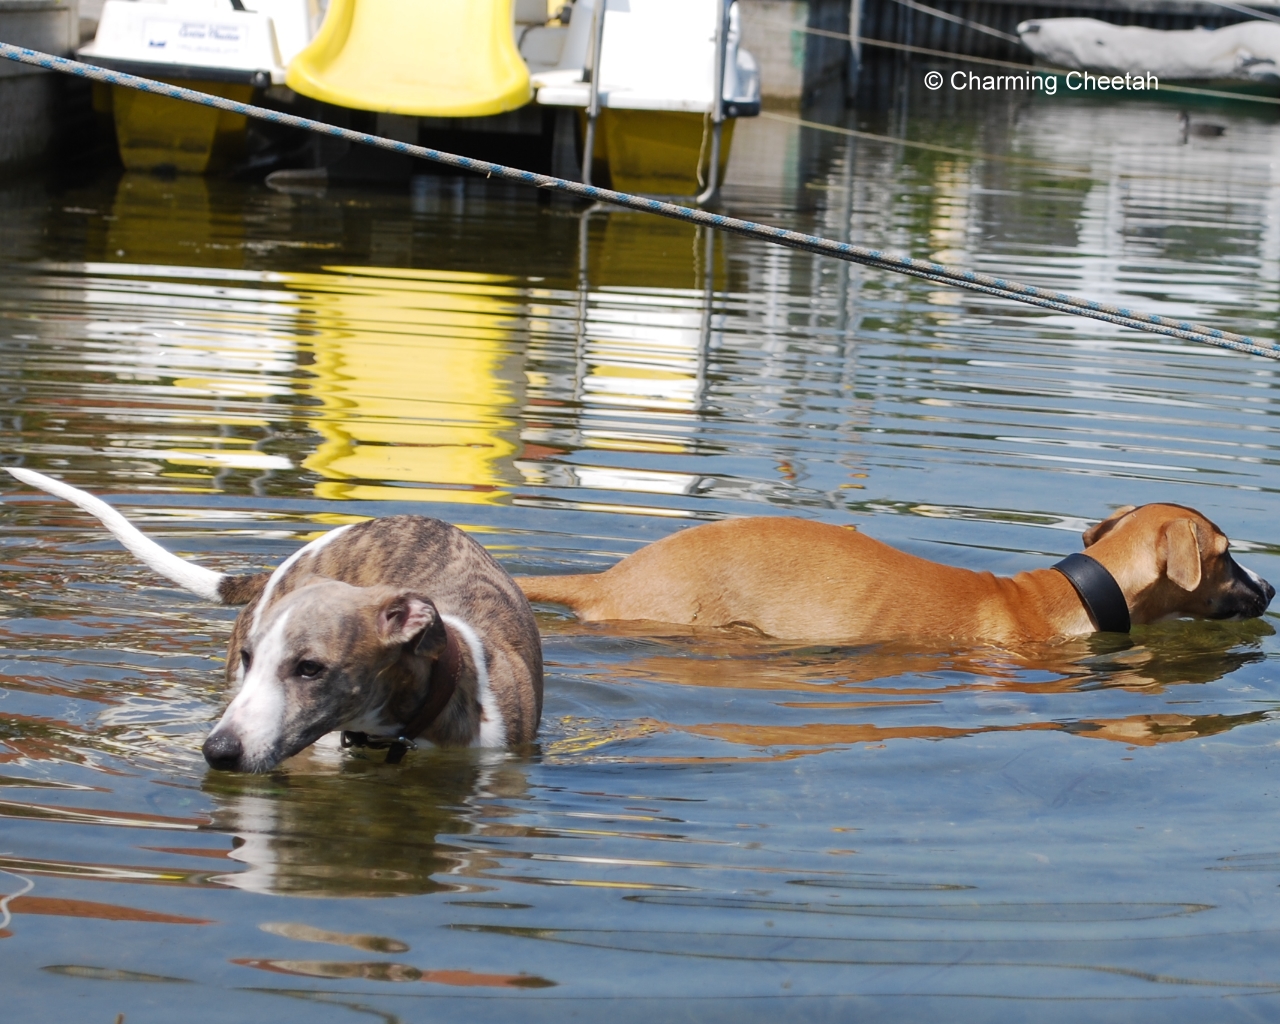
(155,132)
(206,45)
(422,58)
(658,152)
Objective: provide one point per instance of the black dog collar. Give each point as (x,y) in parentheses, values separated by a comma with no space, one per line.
(1098,589)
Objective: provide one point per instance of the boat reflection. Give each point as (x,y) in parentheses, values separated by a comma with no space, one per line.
(413,377)
(634,376)
(418,377)
(423,384)
(152,216)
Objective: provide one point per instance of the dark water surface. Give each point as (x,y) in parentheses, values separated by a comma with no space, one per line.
(711,829)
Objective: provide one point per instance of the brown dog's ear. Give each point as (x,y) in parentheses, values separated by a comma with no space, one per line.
(1099,530)
(1182,553)
(408,618)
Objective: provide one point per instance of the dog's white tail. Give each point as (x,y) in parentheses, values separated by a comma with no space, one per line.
(200,581)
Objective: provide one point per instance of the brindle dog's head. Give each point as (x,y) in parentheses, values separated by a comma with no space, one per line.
(1171,562)
(323,657)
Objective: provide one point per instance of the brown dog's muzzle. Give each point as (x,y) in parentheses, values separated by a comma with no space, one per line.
(1246,596)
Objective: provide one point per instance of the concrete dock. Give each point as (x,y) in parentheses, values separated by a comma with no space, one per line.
(33,102)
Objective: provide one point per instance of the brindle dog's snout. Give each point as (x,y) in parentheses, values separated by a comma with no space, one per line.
(223,750)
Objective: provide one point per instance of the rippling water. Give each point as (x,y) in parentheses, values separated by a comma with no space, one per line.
(710,829)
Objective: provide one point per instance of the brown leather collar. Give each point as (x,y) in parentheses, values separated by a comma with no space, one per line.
(441,686)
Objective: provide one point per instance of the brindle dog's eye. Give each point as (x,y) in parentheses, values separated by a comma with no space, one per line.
(310,669)
(245,658)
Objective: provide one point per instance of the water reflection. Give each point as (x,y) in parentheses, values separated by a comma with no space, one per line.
(151,216)
(416,373)
(978,958)
(90,910)
(1157,657)
(633,375)
(1032,913)
(332,825)
(309,933)
(381,970)
(913,694)
(112,974)
(1138,730)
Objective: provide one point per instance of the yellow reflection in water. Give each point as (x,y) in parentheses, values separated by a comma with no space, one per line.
(420,375)
(410,371)
(153,218)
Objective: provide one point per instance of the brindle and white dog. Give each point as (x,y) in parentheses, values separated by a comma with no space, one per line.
(388,630)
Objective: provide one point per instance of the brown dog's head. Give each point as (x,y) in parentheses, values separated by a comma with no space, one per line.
(1171,562)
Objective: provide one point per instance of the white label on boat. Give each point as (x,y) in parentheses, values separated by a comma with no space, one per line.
(192,37)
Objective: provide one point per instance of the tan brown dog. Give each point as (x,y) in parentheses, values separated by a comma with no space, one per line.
(799,580)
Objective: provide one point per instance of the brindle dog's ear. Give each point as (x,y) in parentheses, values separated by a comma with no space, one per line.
(432,640)
(411,619)
(1181,544)
(1099,530)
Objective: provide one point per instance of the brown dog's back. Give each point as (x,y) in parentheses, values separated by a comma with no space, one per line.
(782,577)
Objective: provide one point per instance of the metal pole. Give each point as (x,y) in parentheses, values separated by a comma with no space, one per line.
(845,232)
(584,304)
(708,307)
(598,12)
(855,49)
(712,191)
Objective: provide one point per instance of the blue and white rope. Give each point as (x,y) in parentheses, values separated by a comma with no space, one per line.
(959,277)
